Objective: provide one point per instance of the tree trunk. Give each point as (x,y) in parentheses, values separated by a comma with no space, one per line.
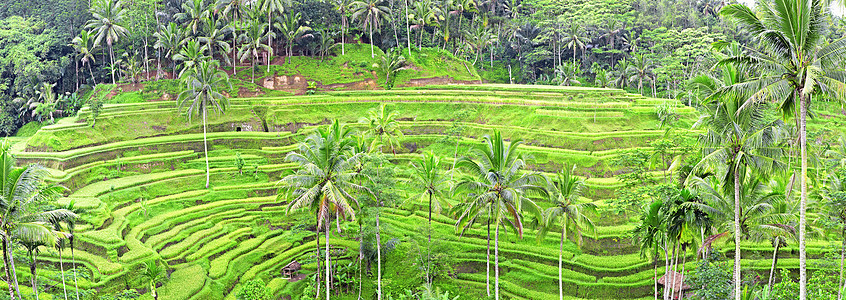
(496,262)
(76,77)
(328,284)
(206,146)
(407,30)
(737,277)
(62,267)
(92,75)
(429,246)
(684,262)
(73,263)
(269,39)
(317,239)
(34,275)
(842,258)
(488,256)
(372,55)
(7,267)
(772,269)
(360,267)
(378,257)
(112,56)
(560,259)
(655,271)
(803,276)
(233,44)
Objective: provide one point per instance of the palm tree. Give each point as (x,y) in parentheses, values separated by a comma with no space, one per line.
(834,193)
(461,6)
(564,193)
(154,274)
(60,244)
(193,13)
(292,31)
(325,180)
(170,39)
(797,63)
(107,15)
(478,40)
(427,174)
(384,125)
(343,8)
(739,140)
(70,224)
(391,63)
(640,69)
(215,37)
(621,73)
(24,190)
(371,13)
(85,50)
(235,8)
(326,42)
(496,184)
(201,93)
(651,233)
(191,55)
(270,7)
(252,45)
(422,16)
(32,252)
(574,39)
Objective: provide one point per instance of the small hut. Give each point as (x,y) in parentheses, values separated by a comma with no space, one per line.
(677,284)
(290,270)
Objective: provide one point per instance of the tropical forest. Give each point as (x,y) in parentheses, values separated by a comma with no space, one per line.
(422,149)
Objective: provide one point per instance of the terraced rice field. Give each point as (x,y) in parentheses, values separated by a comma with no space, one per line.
(139,173)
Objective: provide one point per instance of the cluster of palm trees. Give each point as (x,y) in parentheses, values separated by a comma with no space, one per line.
(493,185)
(28,221)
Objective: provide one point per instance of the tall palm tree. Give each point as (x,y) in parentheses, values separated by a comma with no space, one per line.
(153,274)
(251,45)
(170,39)
(215,38)
(621,73)
(271,7)
(423,15)
(202,93)
(194,12)
(70,224)
(738,140)
(459,7)
(343,8)
(24,191)
(191,55)
(639,69)
(796,64)
(565,193)
(383,124)
(478,39)
(32,250)
(85,50)
(325,181)
(60,245)
(106,26)
(292,30)
(497,184)
(427,174)
(575,39)
(234,11)
(371,13)
(650,233)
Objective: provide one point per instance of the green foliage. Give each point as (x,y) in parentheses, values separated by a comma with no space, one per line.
(712,280)
(253,290)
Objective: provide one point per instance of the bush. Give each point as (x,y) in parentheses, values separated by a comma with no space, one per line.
(253,290)
(712,281)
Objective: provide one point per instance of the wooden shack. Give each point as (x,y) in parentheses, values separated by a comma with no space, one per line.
(290,270)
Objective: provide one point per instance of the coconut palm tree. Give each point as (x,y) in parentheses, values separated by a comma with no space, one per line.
(325,181)
(251,45)
(384,125)
(391,62)
(32,252)
(650,234)
(203,83)
(427,174)
(739,140)
(796,63)
(639,69)
(271,7)
(85,50)
(621,73)
(70,224)
(234,11)
(289,25)
(191,55)
(343,8)
(194,12)
(24,191)
(60,245)
(423,15)
(575,39)
(106,26)
(569,213)
(371,13)
(459,7)
(170,39)
(154,274)
(215,38)
(495,183)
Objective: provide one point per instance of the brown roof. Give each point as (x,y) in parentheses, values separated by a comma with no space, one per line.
(293,266)
(678,280)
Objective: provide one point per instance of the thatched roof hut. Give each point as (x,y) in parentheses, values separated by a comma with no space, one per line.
(677,283)
(290,270)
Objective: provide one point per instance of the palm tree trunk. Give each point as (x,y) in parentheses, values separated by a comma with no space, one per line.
(655,271)
(76,77)
(317,240)
(360,267)
(496,262)
(772,269)
(34,275)
(269,38)
(378,255)
(62,267)
(372,56)
(233,44)
(560,258)
(7,267)
(73,263)
(407,30)
(672,276)
(666,266)
(327,258)
(684,261)
(737,282)
(488,256)
(112,56)
(206,145)
(429,246)
(803,142)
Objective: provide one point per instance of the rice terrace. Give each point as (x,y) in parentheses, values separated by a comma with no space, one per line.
(422,149)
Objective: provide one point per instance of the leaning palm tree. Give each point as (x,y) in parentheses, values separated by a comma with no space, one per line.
(572,215)
(371,13)
(739,140)
(85,50)
(325,180)
(202,92)
(24,191)
(427,174)
(384,125)
(497,185)
(60,245)
(292,30)
(796,63)
(70,224)
(106,26)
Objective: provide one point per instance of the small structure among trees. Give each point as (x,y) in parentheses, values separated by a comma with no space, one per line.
(290,270)
(676,284)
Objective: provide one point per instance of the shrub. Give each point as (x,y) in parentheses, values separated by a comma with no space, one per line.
(253,290)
